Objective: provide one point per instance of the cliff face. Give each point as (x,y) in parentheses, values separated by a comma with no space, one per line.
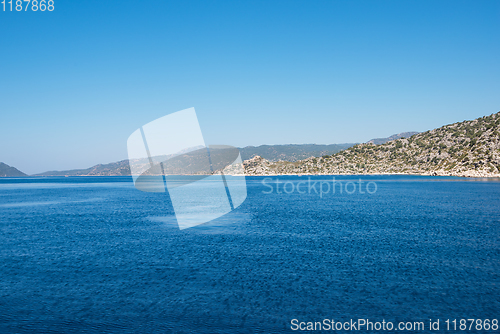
(469,148)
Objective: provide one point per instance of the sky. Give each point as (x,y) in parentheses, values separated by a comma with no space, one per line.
(76,82)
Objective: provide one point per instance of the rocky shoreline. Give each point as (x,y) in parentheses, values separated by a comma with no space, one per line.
(258,166)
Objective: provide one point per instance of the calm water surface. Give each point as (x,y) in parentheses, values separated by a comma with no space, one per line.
(94,255)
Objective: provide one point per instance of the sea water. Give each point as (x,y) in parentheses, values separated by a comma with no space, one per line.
(95,255)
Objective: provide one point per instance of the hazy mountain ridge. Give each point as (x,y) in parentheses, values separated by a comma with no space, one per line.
(291,152)
(468,148)
(271,152)
(112,169)
(9,171)
(378,141)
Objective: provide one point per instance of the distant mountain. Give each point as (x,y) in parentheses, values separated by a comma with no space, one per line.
(468,148)
(270,152)
(291,152)
(8,171)
(111,169)
(378,141)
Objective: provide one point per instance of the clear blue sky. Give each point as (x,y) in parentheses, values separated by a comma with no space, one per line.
(76,82)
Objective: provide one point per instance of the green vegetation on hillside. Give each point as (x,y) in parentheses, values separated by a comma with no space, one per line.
(469,148)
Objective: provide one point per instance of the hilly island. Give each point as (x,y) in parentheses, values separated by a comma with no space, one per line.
(467,149)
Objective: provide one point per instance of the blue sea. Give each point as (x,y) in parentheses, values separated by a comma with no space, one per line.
(95,255)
